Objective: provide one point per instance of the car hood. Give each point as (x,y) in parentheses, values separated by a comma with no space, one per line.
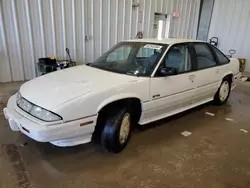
(54,89)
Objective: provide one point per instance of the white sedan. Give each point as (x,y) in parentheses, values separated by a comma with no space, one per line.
(135,82)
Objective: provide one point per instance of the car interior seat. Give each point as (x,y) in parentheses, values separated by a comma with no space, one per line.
(174,59)
(154,57)
(178,59)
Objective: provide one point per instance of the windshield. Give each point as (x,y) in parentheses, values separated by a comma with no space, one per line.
(131,58)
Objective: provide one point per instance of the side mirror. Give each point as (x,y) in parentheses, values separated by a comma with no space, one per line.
(168,71)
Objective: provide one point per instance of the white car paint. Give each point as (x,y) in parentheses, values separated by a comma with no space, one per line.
(69,91)
(78,94)
(170,41)
(60,134)
(180,95)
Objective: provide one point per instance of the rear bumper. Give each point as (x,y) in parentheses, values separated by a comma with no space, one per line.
(61,134)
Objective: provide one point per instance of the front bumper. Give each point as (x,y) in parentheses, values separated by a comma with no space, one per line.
(61,134)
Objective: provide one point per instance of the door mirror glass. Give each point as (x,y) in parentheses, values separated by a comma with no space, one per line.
(168,71)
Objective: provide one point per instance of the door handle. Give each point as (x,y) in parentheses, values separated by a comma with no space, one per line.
(217,71)
(156,96)
(191,77)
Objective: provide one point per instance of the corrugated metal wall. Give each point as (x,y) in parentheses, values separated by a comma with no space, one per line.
(30,29)
(231,24)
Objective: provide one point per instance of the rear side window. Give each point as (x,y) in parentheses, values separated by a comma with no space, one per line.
(205,58)
(221,57)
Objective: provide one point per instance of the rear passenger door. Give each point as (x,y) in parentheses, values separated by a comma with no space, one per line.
(208,76)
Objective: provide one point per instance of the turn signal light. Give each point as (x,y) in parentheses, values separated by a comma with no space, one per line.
(26,130)
(86,123)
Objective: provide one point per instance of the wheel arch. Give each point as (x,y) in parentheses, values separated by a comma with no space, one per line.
(229,75)
(105,107)
(118,98)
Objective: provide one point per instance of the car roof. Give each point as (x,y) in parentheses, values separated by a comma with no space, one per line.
(164,41)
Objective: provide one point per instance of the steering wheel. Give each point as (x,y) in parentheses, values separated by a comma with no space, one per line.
(148,65)
(141,66)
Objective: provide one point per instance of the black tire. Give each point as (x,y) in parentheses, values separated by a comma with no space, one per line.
(110,134)
(217,99)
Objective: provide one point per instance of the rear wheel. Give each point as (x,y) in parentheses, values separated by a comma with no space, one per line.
(223,92)
(116,131)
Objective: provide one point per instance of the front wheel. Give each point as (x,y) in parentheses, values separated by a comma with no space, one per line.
(223,92)
(116,132)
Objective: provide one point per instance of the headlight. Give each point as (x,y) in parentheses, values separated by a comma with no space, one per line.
(44,114)
(35,110)
(18,97)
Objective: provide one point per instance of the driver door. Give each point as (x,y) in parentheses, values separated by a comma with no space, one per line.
(173,93)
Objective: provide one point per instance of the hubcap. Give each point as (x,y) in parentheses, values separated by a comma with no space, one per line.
(224,90)
(125,128)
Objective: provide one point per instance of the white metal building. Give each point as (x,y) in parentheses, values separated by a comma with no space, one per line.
(231,24)
(30,29)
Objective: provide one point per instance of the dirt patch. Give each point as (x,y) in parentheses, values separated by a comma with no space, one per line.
(15,159)
(3,102)
(2,105)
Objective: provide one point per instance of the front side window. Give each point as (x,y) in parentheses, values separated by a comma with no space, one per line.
(205,58)
(131,58)
(178,57)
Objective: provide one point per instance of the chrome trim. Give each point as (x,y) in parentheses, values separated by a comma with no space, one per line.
(173,94)
(208,84)
(80,118)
